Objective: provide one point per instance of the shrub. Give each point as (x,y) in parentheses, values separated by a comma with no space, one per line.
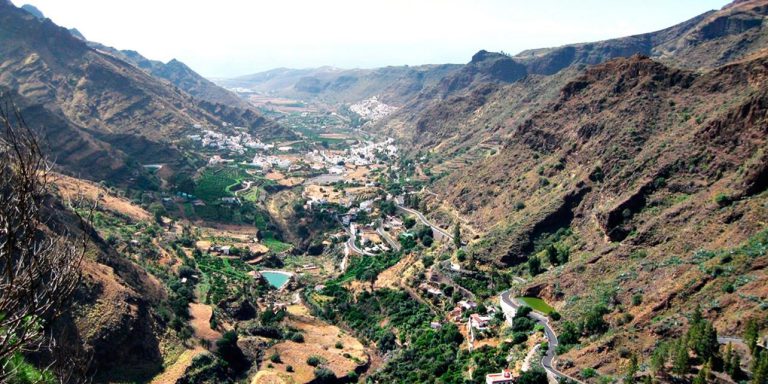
(637,299)
(315,360)
(339,345)
(297,337)
(324,375)
(723,200)
(275,358)
(588,373)
(289,368)
(554,315)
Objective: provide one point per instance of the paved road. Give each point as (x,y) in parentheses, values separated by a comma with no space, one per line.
(548,360)
(424,220)
(352,246)
(392,243)
(731,340)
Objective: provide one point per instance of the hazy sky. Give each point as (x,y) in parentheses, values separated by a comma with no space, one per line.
(226,38)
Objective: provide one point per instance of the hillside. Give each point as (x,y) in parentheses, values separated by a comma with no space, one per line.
(120,108)
(633,157)
(179,75)
(470,105)
(393,85)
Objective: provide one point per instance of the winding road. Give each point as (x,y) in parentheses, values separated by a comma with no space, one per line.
(423,219)
(509,305)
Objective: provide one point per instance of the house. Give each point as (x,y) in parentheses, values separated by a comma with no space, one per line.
(366,205)
(435,325)
(478,322)
(467,304)
(431,289)
(505,377)
(455,314)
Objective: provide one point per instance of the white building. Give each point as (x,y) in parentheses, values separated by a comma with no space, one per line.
(505,377)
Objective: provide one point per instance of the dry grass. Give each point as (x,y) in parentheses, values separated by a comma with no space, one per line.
(320,339)
(317,192)
(395,276)
(71,188)
(201,322)
(176,371)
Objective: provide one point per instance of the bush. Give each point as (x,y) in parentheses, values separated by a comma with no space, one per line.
(228,350)
(339,345)
(554,315)
(324,375)
(723,200)
(289,368)
(315,360)
(588,373)
(297,337)
(637,299)
(275,358)
(534,265)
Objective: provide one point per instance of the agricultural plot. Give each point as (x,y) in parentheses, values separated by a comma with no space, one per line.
(274,244)
(537,304)
(217,183)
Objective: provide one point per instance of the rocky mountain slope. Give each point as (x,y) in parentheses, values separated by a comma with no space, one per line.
(393,85)
(657,172)
(441,114)
(114,329)
(115,104)
(648,171)
(179,75)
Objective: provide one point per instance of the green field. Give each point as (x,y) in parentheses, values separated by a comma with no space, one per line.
(252,195)
(537,304)
(216,183)
(275,245)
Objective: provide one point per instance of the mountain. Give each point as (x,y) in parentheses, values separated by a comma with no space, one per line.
(634,168)
(179,75)
(392,85)
(112,104)
(34,11)
(641,158)
(468,106)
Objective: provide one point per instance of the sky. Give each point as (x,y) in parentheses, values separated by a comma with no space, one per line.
(228,38)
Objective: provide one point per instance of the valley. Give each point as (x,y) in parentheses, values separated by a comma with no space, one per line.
(593,213)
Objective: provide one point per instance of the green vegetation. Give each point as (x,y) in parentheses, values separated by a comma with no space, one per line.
(367,268)
(697,346)
(274,244)
(537,304)
(22,372)
(216,183)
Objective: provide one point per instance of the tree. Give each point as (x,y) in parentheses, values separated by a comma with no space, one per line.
(534,265)
(751,335)
(457,235)
(39,269)
(594,323)
(681,363)
(702,338)
(734,368)
(533,376)
(659,359)
(227,349)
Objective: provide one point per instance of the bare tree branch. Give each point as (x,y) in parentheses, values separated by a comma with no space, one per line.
(39,268)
